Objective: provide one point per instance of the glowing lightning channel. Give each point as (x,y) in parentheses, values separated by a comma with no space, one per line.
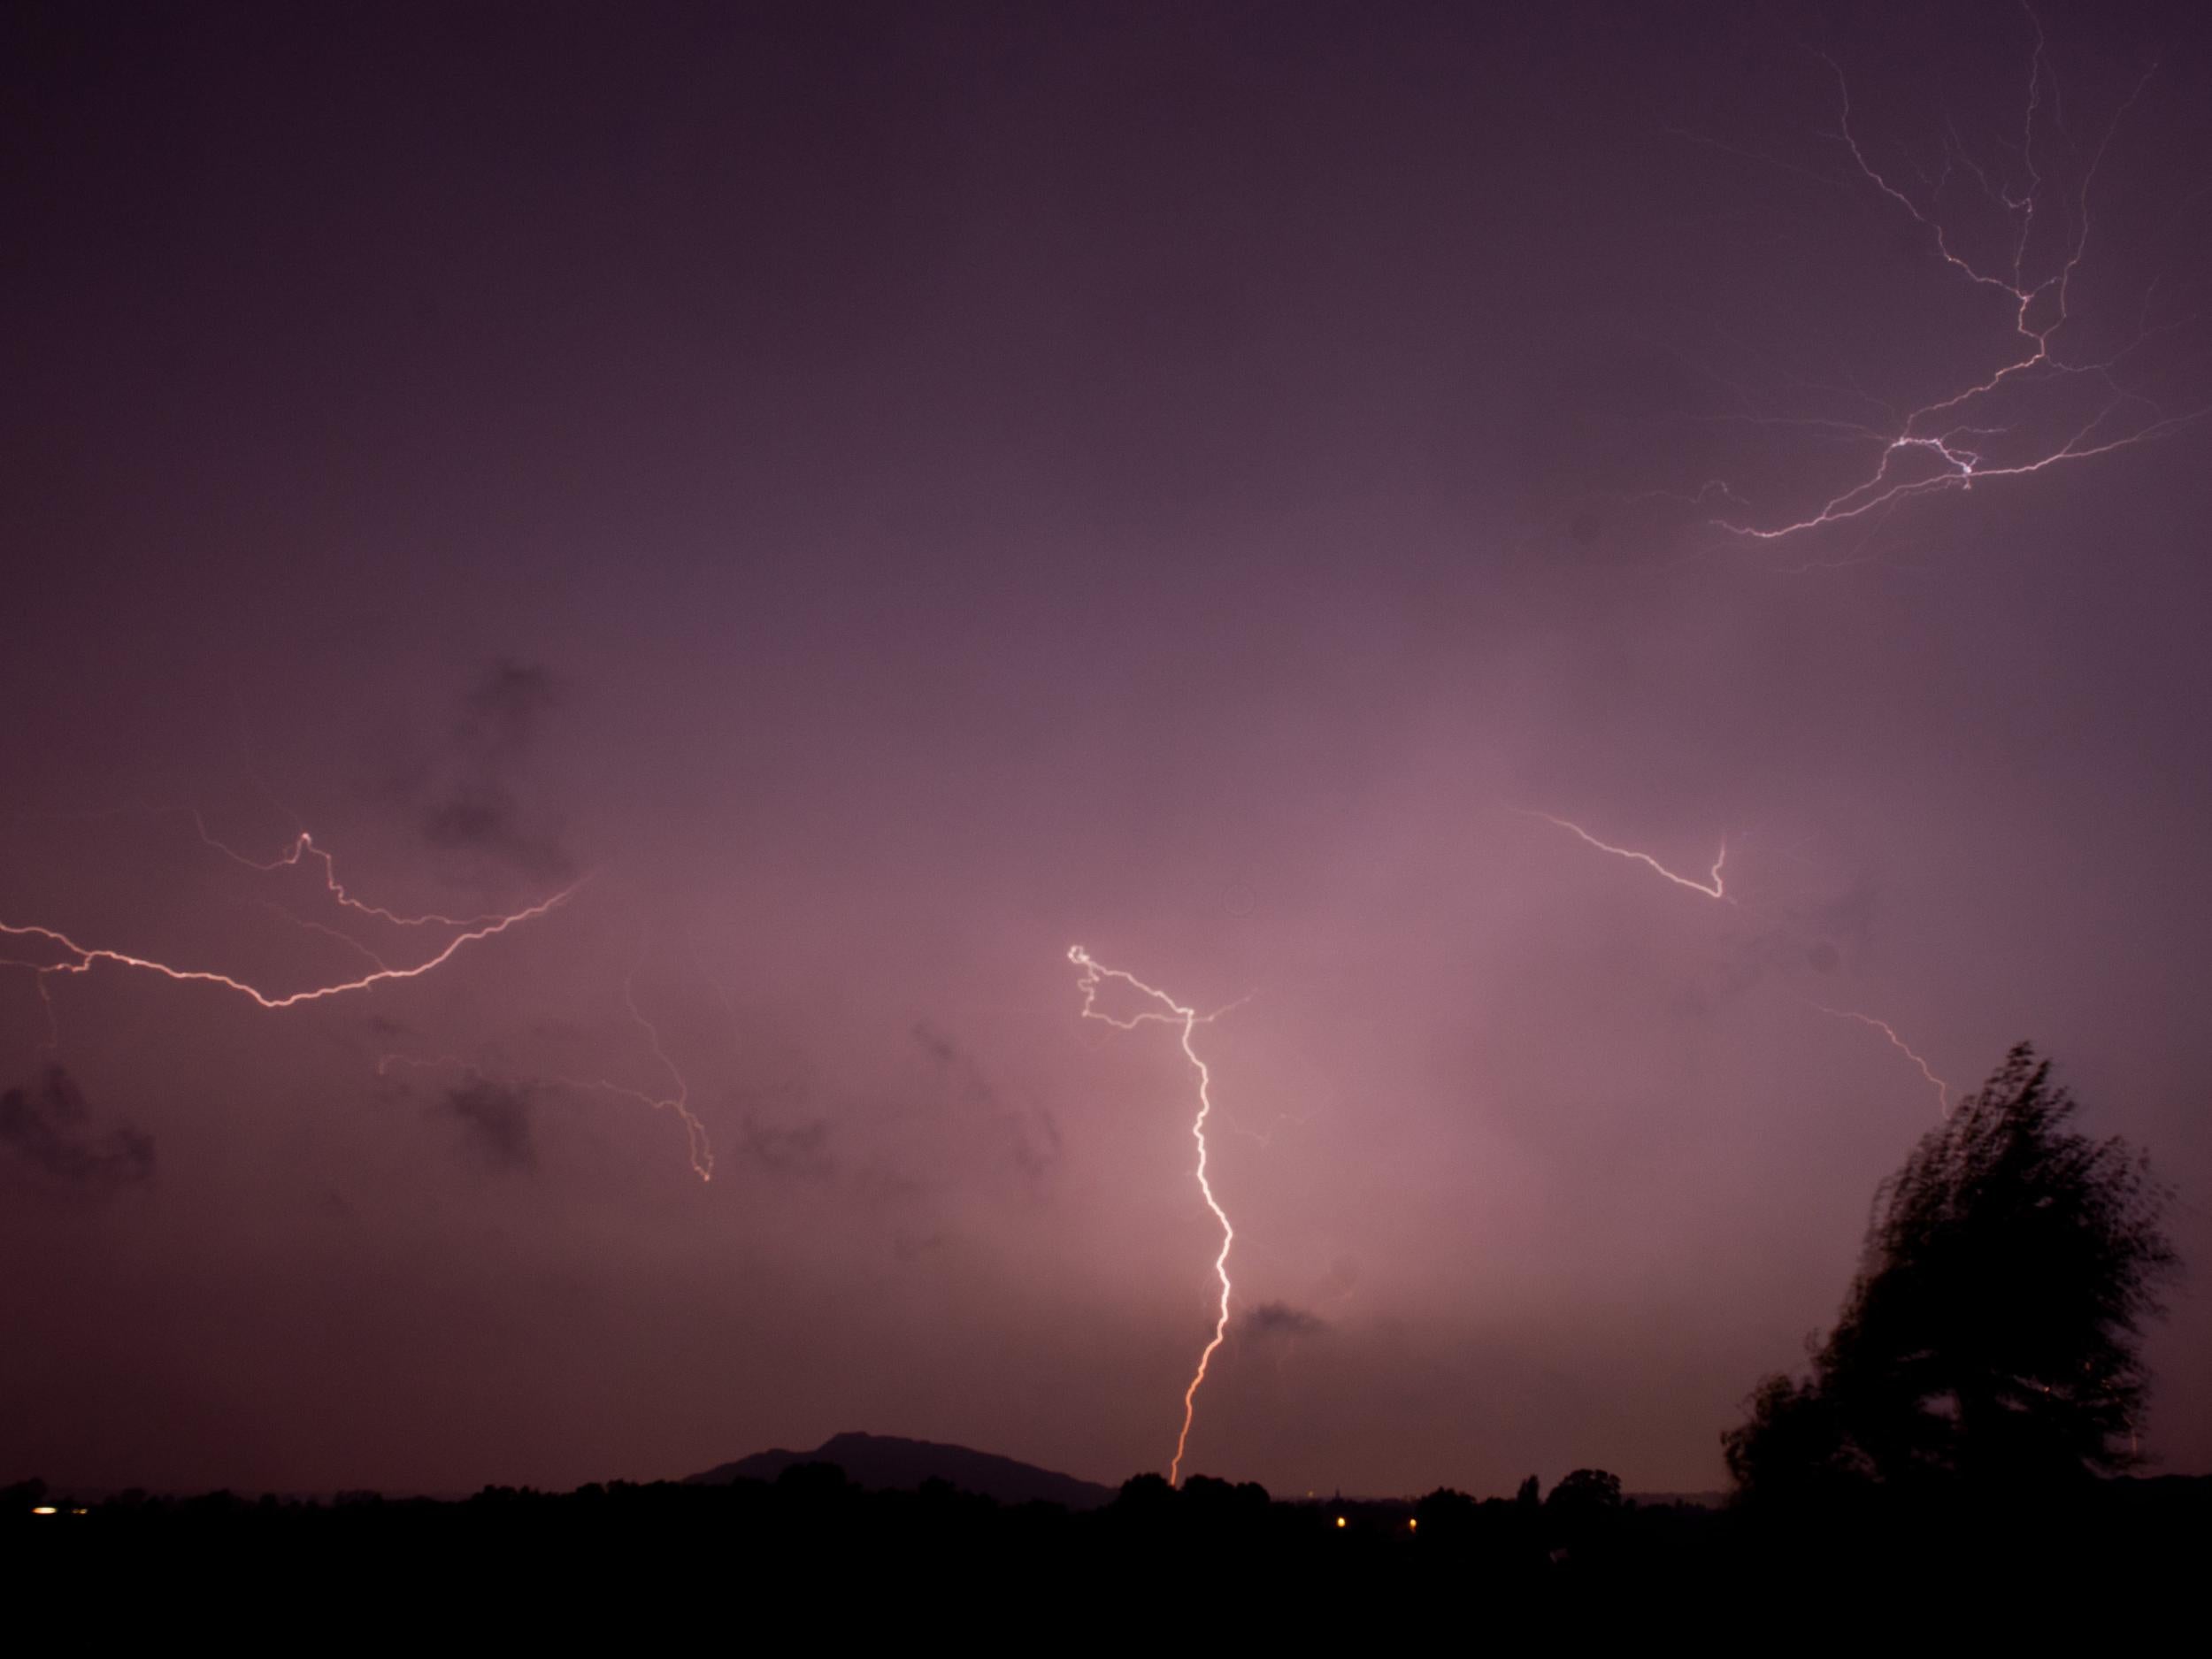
(1942,1088)
(81,958)
(67,956)
(679,1103)
(303,847)
(1189,1019)
(86,956)
(1712,886)
(694,1131)
(1938,446)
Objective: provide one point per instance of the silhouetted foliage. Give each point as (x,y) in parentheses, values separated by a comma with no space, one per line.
(1220,1497)
(1445,1513)
(818,1541)
(1990,1338)
(1145,1494)
(1582,1513)
(1793,1448)
(18,1499)
(1585,1490)
(813,1483)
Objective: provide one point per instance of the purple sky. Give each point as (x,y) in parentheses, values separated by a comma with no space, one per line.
(891,494)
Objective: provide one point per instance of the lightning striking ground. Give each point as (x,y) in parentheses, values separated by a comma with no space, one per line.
(1189,1019)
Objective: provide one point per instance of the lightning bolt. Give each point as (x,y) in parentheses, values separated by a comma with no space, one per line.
(62,954)
(1716,890)
(76,957)
(1965,437)
(1189,1019)
(79,958)
(700,1151)
(694,1131)
(1942,1088)
(305,847)
(679,1103)
(1713,886)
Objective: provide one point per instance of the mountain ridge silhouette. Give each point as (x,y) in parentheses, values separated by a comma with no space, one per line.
(893,1463)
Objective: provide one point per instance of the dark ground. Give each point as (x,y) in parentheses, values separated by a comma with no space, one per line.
(810,1552)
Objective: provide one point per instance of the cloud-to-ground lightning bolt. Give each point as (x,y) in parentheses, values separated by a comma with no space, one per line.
(1188,1019)
(1942,1088)
(1966,435)
(1713,886)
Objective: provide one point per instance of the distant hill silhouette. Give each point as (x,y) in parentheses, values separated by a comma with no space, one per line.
(889,1463)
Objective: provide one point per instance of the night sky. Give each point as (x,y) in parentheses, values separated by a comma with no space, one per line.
(863,500)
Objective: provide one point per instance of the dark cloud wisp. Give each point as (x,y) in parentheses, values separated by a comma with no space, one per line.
(43,1126)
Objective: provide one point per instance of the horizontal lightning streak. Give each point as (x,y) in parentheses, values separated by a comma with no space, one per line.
(1942,1088)
(87,956)
(76,957)
(1712,887)
(305,847)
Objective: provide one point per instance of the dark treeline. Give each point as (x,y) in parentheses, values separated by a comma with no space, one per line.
(1583,1546)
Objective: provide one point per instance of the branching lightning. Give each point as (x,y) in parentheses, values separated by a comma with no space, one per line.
(1942,1088)
(1713,886)
(1716,889)
(79,959)
(303,847)
(59,953)
(1189,1019)
(679,1103)
(1979,430)
(73,957)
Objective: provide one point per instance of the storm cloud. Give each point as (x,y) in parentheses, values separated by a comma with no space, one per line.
(477,803)
(45,1128)
(496,1120)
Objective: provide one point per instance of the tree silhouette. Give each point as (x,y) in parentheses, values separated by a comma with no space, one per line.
(1991,1334)
(1585,1489)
